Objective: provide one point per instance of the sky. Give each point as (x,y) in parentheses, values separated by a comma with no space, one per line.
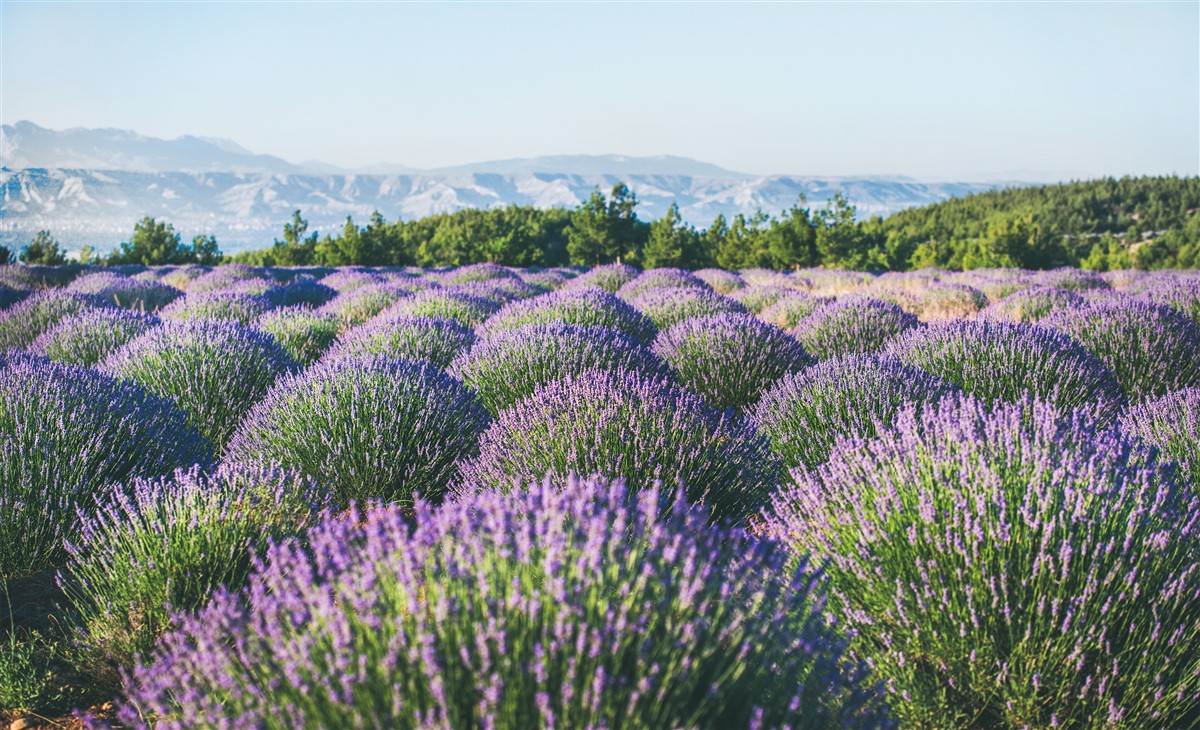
(1035,91)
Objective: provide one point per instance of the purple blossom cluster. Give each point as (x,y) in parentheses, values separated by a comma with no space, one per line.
(366,428)
(1152,349)
(730,359)
(1024,564)
(1030,304)
(21,323)
(302,332)
(758,297)
(721,281)
(92,335)
(214,370)
(1170,423)
(668,306)
(508,366)
(585,307)
(659,279)
(216,305)
(1004,362)
(360,304)
(624,425)
(572,603)
(852,326)
(610,278)
(67,435)
(125,292)
(437,341)
(789,310)
(466,309)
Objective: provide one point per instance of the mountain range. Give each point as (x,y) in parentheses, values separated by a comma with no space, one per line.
(92,185)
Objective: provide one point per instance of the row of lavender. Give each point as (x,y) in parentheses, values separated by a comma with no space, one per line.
(945,485)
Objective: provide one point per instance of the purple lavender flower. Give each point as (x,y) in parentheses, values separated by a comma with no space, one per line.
(758,297)
(437,341)
(610,278)
(500,291)
(68,434)
(1005,362)
(214,371)
(127,293)
(973,551)
(359,305)
(1153,349)
(477,273)
(21,323)
(467,310)
(721,281)
(1069,279)
(1170,423)
(730,359)
(668,305)
(347,280)
(508,366)
(215,306)
(789,310)
(623,425)
(584,307)
(1179,292)
(1030,305)
(664,278)
(805,414)
(852,326)
(92,335)
(302,332)
(366,428)
(571,603)
(223,276)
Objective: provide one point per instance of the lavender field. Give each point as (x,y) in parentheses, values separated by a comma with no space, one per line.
(241,497)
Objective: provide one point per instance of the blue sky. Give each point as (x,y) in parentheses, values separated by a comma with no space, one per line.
(939,91)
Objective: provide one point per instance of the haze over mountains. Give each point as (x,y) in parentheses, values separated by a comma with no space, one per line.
(92,185)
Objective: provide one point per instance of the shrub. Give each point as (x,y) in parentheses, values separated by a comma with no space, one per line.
(1152,348)
(1069,279)
(730,359)
(349,280)
(831,283)
(21,323)
(214,371)
(436,341)
(659,279)
(224,276)
(805,414)
(610,278)
(1030,305)
(1177,292)
(621,424)
(548,279)
(940,302)
(586,307)
(1005,362)
(211,306)
(508,366)
(581,606)
(476,273)
(68,434)
(127,293)
(721,281)
(852,326)
(359,305)
(758,297)
(167,544)
(789,310)
(1123,278)
(668,306)
(1023,567)
(389,428)
(303,334)
(1170,423)
(501,291)
(91,336)
(467,310)
(10,296)
(765,277)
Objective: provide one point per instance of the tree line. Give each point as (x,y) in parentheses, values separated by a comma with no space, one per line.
(1144,222)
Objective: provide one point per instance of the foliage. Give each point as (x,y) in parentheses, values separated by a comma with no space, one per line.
(1017,567)
(155,243)
(91,336)
(389,428)
(303,334)
(42,250)
(852,326)
(437,341)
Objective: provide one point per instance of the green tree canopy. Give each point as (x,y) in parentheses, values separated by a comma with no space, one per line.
(43,250)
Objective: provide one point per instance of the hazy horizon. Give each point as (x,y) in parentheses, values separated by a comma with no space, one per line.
(1036,92)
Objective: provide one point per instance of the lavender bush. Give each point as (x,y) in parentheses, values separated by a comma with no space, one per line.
(302,292)
(214,371)
(92,335)
(1069,279)
(436,341)
(730,359)
(164,545)
(659,279)
(1018,567)
(852,326)
(668,306)
(1005,362)
(359,305)
(303,333)
(554,606)
(623,425)
(1030,305)
(805,414)
(1153,349)
(387,428)
(1170,423)
(610,278)
(212,306)
(125,292)
(1177,292)
(721,281)
(585,307)
(68,434)
(789,310)
(21,323)
(508,366)
(467,310)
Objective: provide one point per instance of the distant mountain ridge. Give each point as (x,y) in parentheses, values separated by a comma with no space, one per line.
(91,186)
